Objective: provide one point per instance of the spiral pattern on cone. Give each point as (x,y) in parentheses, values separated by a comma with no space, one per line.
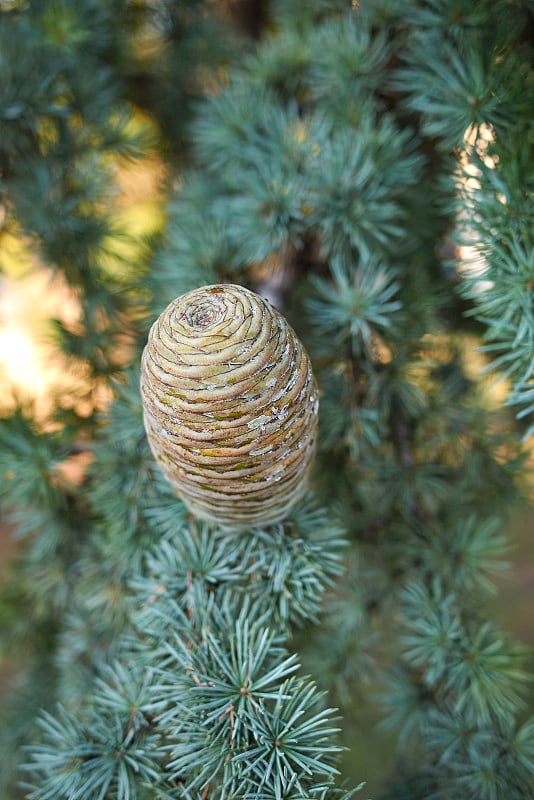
(230,405)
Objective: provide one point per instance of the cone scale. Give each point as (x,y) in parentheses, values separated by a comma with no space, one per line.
(230,406)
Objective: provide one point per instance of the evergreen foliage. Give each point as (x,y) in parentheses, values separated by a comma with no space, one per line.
(369,166)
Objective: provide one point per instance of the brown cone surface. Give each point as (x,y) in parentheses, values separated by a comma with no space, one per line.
(230,405)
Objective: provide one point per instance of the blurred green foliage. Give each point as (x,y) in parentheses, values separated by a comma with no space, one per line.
(369,167)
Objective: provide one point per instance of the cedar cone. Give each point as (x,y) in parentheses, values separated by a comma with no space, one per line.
(230,406)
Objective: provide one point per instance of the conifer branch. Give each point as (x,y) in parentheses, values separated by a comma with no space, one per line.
(348,140)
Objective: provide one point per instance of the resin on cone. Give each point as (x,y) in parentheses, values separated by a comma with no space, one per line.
(230,406)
